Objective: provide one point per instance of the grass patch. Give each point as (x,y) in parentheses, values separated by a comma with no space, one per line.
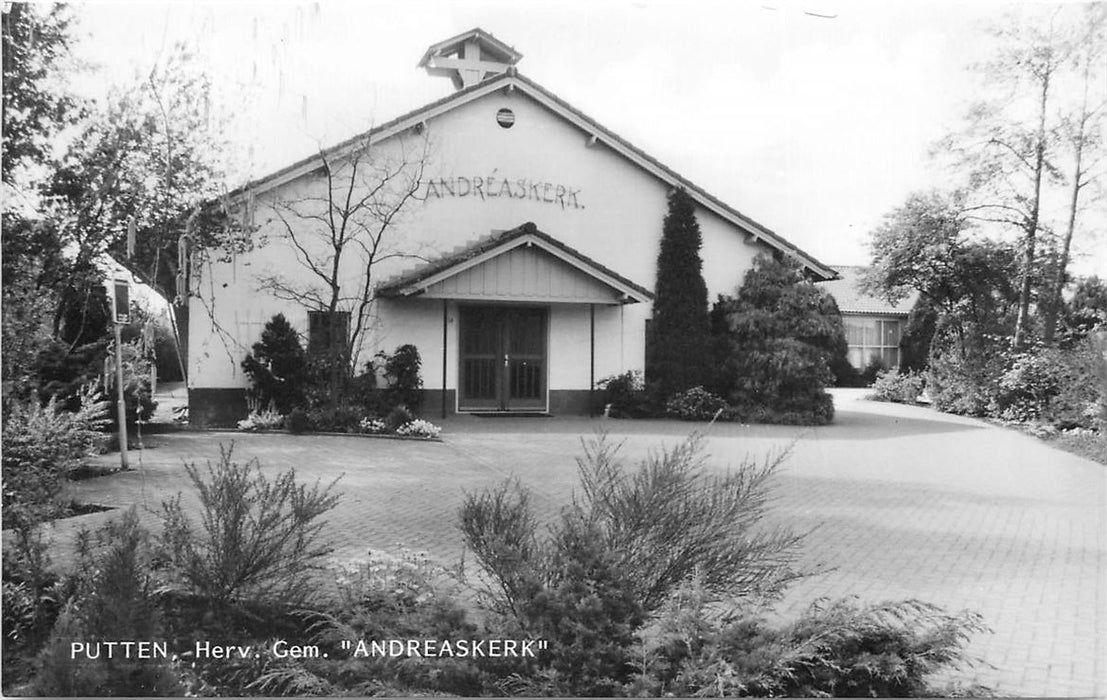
(1086,444)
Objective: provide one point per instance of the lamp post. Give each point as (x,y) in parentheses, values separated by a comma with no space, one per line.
(121,314)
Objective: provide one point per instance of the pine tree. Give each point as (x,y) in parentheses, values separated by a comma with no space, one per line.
(678,356)
(277,367)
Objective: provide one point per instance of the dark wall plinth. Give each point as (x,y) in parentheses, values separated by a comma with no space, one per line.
(216,408)
(570,402)
(432,403)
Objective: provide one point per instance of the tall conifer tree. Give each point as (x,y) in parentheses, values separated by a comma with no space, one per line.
(679,348)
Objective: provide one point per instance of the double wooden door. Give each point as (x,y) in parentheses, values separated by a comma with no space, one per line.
(503,358)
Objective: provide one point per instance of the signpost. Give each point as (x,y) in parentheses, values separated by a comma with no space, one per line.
(121,314)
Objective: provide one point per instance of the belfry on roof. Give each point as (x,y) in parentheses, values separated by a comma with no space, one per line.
(469,58)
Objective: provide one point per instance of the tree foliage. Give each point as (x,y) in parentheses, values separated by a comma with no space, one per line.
(1031,138)
(1082,135)
(927,244)
(150,159)
(678,356)
(144,160)
(35,48)
(277,367)
(1087,310)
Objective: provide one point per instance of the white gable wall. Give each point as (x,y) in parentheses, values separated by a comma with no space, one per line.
(588,197)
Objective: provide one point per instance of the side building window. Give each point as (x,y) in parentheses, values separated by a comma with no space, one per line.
(327,331)
(873,339)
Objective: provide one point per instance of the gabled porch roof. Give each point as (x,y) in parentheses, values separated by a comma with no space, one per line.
(523,264)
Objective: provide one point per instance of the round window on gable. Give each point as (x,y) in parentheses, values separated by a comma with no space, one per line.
(505,118)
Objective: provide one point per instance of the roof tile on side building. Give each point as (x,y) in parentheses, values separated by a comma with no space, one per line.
(852,299)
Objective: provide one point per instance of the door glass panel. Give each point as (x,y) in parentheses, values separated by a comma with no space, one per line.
(527,336)
(480,334)
(480,378)
(526,380)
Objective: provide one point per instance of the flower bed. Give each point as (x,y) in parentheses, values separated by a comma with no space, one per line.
(393,426)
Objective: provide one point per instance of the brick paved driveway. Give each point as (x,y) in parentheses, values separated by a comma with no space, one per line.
(903,502)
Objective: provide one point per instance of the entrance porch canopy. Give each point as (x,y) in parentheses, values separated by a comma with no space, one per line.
(522,265)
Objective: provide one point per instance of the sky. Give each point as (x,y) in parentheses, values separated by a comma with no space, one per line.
(814,118)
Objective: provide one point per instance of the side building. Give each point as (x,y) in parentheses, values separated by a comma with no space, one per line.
(874,327)
(521,265)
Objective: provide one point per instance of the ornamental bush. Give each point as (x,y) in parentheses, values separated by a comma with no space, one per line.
(397,417)
(42,443)
(625,396)
(112,599)
(835,649)
(897,387)
(618,553)
(1062,387)
(257,537)
(695,404)
(965,385)
(385,597)
(419,428)
(337,419)
(262,420)
(401,374)
(774,341)
(1028,386)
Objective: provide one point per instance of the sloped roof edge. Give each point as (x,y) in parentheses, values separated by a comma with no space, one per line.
(628,150)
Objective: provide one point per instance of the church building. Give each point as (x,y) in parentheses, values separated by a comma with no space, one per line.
(509,237)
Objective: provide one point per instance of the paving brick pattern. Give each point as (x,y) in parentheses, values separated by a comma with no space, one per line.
(901,503)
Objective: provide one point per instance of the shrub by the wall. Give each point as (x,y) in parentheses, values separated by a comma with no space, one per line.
(696,404)
(401,373)
(397,417)
(298,421)
(262,420)
(337,419)
(624,396)
(678,347)
(277,367)
(774,341)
